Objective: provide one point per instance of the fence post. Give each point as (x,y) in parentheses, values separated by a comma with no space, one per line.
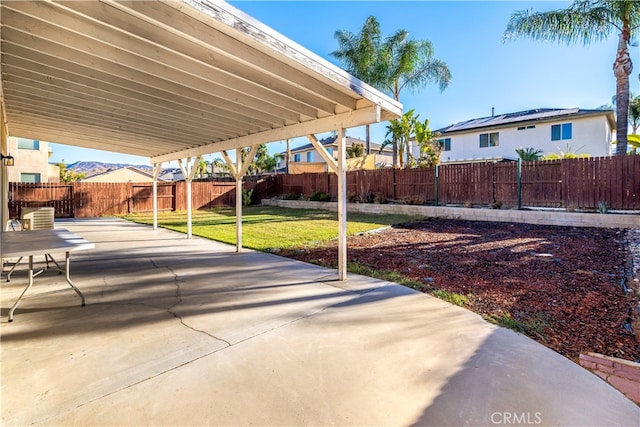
(519,183)
(394,181)
(436,180)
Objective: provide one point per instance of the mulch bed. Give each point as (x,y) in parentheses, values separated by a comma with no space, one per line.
(562,286)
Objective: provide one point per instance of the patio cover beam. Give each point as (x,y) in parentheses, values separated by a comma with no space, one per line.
(367,115)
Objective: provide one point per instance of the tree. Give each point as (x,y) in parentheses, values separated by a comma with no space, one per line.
(201,168)
(588,21)
(409,64)
(220,166)
(392,65)
(262,162)
(428,141)
(356,150)
(529,154)
(358,54)
(634,114)
(69,175)
(401,131)
(568,153)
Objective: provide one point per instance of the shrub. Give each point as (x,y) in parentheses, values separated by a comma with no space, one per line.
(352,197)
(413,200)
(603,208)
(291,196)
(366,198)
(380,198)
(246,196)
(496,205)
(319,196)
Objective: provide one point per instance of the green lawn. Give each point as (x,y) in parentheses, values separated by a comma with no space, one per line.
(267,228)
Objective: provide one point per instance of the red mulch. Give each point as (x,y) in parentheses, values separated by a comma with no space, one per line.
(563,283)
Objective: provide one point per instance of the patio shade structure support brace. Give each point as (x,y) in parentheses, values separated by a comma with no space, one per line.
(189,170)
(238,171)
(331,162)
(157,167)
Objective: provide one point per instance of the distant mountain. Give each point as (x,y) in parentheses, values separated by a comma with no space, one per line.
(94,168)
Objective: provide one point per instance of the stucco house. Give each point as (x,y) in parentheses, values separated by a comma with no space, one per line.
(307,159)
(550,130)
(31,161)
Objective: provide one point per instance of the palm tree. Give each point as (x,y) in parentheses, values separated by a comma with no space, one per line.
(391,65)
(529,154)
(358,54)
(220,166)
(634,113)
(401,131)
(408,64)
(588,21)
(201,168)
(429,143)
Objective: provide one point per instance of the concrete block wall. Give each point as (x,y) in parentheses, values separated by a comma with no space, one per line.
(622,374)
(572,219)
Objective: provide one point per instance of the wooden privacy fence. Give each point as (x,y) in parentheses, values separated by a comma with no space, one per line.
(569,183)
(93,199)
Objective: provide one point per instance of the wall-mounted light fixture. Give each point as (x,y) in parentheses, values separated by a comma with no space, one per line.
(7,160)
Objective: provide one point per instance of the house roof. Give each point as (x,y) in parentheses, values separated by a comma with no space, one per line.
(331,140)
(536,115)
(168,79)
(111,171)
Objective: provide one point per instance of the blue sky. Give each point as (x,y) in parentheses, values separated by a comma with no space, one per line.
(486,72)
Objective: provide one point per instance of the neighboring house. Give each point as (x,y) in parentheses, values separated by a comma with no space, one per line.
(307,159)
(125,174)
(171,174)
(31,161)
(550,130)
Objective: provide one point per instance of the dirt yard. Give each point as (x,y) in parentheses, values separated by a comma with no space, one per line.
(561,286)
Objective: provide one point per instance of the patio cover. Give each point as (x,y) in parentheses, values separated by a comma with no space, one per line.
(167,80)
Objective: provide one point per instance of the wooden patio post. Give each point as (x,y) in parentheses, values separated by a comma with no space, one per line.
(239,176)
(189,170)
(342,205)
(157,167)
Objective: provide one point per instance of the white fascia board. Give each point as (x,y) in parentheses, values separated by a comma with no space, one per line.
(346,120)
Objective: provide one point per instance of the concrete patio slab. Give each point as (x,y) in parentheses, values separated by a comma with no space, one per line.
(188,332)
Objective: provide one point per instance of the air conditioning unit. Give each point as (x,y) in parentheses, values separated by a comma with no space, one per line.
(37,218)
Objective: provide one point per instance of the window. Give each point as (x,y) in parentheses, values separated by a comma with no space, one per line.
(489,139)
(309,156)
(32,178)
(445,144)
(563,131)
(28,144)
(296,158)
(526,127)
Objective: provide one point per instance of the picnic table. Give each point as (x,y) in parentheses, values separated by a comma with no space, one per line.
(41,242)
